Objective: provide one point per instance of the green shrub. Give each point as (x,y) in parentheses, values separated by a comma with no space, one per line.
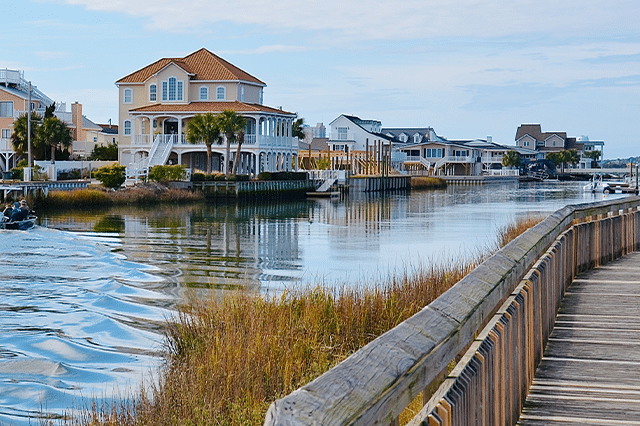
(111,176)
(198,177)
(167,173)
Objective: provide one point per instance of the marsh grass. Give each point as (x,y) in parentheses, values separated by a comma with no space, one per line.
(93,197)
(229,357)
(427,182)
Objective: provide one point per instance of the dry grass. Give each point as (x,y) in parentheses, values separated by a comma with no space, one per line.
(91,197)
(229,358)
(426,182)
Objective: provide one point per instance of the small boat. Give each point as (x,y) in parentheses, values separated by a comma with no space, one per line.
(598,185)
(21,225)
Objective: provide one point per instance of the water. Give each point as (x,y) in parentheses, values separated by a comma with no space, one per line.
(84,295)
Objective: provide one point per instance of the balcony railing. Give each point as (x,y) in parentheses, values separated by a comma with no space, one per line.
(261,140)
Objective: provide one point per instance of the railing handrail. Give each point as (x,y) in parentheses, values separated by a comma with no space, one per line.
(377,382)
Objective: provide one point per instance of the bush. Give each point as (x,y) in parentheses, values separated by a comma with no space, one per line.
(111,176)
(198,177)
(167,173)
(283,176)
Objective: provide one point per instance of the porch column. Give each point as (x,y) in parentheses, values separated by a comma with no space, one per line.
(179,158)
(179,131)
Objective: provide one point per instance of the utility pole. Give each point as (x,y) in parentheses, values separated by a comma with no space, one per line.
(27,170)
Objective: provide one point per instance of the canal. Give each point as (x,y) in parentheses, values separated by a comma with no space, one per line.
(85,294)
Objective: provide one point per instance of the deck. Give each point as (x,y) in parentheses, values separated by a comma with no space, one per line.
(590,372)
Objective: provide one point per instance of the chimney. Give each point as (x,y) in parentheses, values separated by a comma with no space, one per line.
(76,120)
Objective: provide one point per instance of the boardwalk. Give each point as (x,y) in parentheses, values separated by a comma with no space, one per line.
(590,372)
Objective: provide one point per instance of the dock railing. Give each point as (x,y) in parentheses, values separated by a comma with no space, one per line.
(495,321)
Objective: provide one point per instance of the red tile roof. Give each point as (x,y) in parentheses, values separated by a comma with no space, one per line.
(204,107)
(202,64)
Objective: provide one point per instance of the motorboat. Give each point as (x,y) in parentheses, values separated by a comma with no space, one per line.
(21,225)
(598,185)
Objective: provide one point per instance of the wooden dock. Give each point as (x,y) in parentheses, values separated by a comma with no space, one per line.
(590,372)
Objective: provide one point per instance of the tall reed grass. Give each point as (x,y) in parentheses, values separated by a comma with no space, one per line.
(427,182)
(90,197)
(228,358)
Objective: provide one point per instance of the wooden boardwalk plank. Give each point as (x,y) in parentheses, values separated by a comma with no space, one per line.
(590,372)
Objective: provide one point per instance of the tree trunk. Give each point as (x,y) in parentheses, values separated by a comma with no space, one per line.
(209,158)
(228,155)
(236,160)
(53,154)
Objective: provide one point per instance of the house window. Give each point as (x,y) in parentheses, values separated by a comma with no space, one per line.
(172,90)
(6,109)
(221,94)
(242,94)
(128,96)
(261,96)
(342,133)
(403,137)
(204,93)
(153,96)
(416,138)
(127,127)
(6,133)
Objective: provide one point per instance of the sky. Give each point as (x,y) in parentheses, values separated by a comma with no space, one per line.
(467,68)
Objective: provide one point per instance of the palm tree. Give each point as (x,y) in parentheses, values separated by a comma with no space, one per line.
(594,155)
(568,156)
(231,124)
(54,133)
(298,127)
(19,136)
(511,159)
(204,128)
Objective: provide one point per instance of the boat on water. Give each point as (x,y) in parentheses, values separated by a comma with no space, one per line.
(598,185)
(21,225)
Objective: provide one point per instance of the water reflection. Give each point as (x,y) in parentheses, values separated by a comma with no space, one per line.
(84,299)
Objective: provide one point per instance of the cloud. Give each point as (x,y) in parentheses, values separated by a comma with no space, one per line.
(385,19)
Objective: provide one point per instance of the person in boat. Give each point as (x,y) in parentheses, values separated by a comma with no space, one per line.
(8,211)
(18,213)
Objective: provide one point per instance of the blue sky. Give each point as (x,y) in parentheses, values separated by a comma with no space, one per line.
(467,68)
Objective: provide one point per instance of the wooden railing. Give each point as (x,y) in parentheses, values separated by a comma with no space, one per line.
(497,320)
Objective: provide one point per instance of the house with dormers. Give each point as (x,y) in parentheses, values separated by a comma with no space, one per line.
(157,101)
(428,153)
(531,136)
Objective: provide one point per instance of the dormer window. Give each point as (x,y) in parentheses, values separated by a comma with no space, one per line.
(172,90)
(204,93)
(221,93)
(416,138)
(403,137)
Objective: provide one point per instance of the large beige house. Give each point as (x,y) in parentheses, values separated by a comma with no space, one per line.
(157,102)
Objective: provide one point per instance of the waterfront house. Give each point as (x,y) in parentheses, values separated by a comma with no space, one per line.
(14,100)
(531,136)
(428,153)
(157,101)
(358,144)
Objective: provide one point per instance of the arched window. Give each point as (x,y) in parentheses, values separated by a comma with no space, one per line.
(153,93)
(221,93)
(204,93)
(172,90)
(127,127)
(128,96)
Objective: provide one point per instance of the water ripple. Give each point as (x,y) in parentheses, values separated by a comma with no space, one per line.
(77,322)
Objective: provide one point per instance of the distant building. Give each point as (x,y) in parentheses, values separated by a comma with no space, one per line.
(531,136)
(14,99)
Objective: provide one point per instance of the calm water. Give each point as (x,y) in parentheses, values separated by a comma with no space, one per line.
(84,295)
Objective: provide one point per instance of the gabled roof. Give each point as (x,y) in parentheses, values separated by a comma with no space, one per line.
(202,65)
(204,107)
(535,131)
